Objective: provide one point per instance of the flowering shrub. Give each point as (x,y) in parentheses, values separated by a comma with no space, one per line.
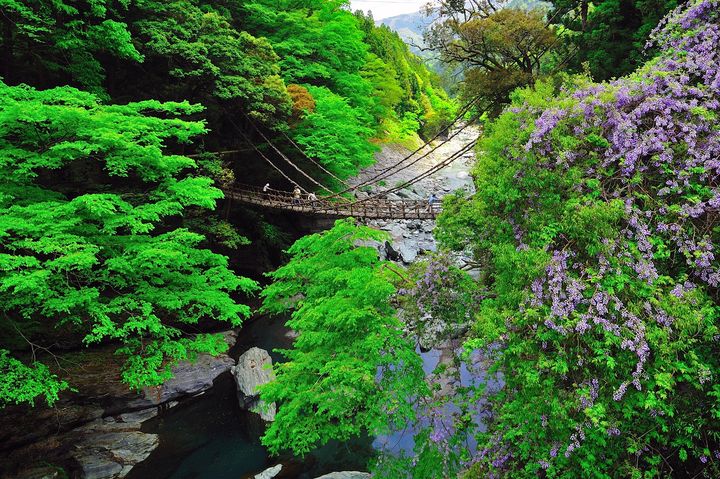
(440,295)
(596,222)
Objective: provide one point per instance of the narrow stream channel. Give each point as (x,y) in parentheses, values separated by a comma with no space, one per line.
(211,437)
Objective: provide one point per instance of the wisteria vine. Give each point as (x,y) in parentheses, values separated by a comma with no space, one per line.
(597,215)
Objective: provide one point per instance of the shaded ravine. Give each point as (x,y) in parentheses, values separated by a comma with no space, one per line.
(210,436)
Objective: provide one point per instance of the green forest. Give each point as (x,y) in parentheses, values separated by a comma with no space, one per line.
(573,284)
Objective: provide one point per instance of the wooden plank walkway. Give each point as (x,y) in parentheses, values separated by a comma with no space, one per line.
(338,208)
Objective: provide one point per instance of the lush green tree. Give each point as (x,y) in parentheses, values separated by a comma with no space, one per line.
(335,134)
(500,49)
(351,370)
(91,206)
(420,93)
(194,51)
(318,42)
(62,40)
(610,35)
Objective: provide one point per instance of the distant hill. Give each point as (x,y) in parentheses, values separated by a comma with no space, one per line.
(410,27)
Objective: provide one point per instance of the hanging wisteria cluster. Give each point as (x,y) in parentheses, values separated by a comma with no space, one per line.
(598,217)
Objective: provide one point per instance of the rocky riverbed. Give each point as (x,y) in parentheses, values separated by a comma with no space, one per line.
(411,238)
(95,431)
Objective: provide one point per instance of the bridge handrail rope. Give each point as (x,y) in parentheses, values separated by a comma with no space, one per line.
(421,176)
(314,161)
(457,118)
(397,168)
(262,155)
(284,157)
(247,139)
(377,178)
(392,167)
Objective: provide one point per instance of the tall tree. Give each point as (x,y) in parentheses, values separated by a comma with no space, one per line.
(610,35)
(351,370)
(47,39)
(91,208)
(499,48)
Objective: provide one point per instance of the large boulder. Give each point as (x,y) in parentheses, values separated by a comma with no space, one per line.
(270,472)
(346,475)
(189,378)
(408,251)
(108,448)
(254,368)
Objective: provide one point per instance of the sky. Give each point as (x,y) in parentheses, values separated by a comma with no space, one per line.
(381,9)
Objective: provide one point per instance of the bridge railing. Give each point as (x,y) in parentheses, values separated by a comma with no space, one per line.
(374,208)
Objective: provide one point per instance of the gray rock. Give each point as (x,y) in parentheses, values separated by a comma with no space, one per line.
(111,455)
(390,253)
(40,472)
(427,246)
(189,378)
(253,369)
(408,252)
(408,195)
(346,475)
(139,417)
(269,473)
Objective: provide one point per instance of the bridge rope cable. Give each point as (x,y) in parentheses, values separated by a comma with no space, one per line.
(422,175)
(384,172)
(421,157)
(349,187)
(387,171)
(284,156)
(378,178)
(465,109)
(314,161)
(287,160)
(262,155)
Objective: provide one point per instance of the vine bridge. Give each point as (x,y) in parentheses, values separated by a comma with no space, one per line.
(341,203)
(376,208)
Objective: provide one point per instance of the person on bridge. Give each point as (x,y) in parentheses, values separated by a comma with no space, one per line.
(312,198)
(431,201)
(266,187)
(296,195)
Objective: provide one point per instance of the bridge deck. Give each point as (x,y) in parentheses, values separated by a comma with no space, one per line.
(372,209)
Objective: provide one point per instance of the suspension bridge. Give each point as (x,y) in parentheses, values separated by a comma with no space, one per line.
(378,208)
(336,204)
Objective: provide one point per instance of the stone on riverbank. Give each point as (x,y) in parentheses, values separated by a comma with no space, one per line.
(346,475)
(189,378)
(108,448)
(269,473)
(254,368)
